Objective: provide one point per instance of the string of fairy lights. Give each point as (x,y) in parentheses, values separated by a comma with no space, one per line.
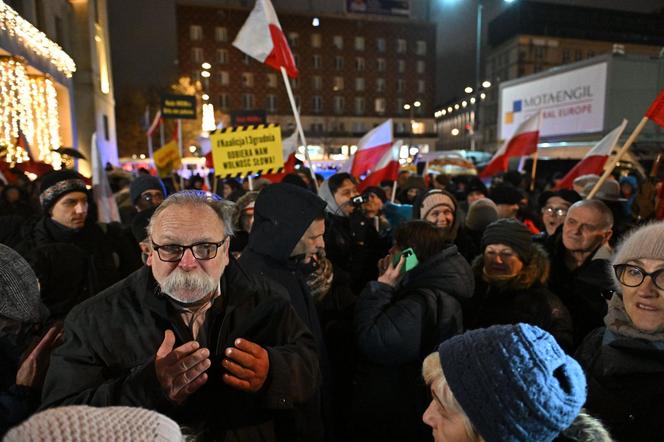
(28,105)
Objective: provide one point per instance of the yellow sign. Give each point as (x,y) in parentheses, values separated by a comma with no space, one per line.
(245,150)
(167,159)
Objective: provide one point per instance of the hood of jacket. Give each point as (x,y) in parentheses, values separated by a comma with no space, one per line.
(535,272)
(446,271)
(326,194)
(282,214)
(585,428)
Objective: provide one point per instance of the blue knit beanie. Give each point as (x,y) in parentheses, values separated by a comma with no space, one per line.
(514,382)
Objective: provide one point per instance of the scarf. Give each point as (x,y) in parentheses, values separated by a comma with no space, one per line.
(618,322)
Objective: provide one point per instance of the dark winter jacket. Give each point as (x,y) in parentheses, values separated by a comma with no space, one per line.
(73,265)
(625,384)
(583,290)
(396,328)
(524,298)
(283,212)
(107,357)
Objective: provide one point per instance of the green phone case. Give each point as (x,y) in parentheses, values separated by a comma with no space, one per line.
(410,260)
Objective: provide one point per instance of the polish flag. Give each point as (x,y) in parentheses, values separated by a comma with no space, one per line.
(656,110)
(593,162)
(261,37)
(386,169)
(523,142)
(371,149)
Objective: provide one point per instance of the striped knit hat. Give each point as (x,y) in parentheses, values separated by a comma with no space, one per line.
(57,184)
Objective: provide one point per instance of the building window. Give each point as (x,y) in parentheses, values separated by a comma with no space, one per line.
(246,59)
(380,44)
(248,101)
(224,78)
(338,41)
(271,103)
(380,85)
(223,101)
(359,43)
(316,82)
(359,105)
(339,63)
(400,103)
(317,103)
(359,63)
(379,105)
(578,54)
(420,66)
(107,136)
(339,104)
(566,55)
(421,47)
(338,84)
(247,79)
(316,40)
(221,34)
(195,33)
(197,55)
(402,46)
(317,61)
(380,64)
(401,66)
(400,85)
(421,87)
(272,80)
(359,84)
(293,39)
(295,83)
(359,127)
(222,56)
(298,102)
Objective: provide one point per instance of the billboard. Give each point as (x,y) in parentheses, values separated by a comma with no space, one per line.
(571,102)
(383,7)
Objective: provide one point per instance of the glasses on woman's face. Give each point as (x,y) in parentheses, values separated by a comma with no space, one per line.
(201,251)
(554,211)
(633,276)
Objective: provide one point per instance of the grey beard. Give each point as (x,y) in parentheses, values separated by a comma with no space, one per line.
(188,287)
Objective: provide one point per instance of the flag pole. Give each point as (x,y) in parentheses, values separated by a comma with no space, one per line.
(251,182)
(298,123)
(148,133)
(180,147)
(534,171)
(394,190)
(618,156)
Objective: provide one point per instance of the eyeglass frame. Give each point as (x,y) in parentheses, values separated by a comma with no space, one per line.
(653,275)
(555,211)
(149,196)
(190,247)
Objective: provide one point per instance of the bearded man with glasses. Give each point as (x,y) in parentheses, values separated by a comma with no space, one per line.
(190,335)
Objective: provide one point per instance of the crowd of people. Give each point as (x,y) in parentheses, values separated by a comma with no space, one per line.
(306,310)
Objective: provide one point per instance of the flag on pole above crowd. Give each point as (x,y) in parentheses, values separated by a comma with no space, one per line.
(107,208)
(523,142)
(593,162)
(371,148)
(386,169)
(261,37)
(656,111)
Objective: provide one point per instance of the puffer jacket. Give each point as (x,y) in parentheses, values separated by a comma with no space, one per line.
(395,329)
(524,298)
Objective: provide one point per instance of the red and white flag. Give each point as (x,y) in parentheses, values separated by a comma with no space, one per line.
(386,169)
(107,208)
(261,37)
(371,148)
(523,142)
(593,162)
(656,110)
(155,124)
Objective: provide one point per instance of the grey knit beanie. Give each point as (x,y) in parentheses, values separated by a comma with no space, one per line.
(19,289)
(481,213)
(81,423)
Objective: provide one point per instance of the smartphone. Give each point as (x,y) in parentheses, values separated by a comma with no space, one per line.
(410,260)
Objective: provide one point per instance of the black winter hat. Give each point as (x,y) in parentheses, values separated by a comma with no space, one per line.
(511,233)
(143,183)
(567,194)
(57,184)
(476,185)
(379,192)
(282,213)
(140,223)
(505,194)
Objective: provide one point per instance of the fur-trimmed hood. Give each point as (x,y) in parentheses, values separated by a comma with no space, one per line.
(585,428)
(535,272)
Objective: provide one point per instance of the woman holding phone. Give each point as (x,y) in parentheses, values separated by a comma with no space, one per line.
(399,319)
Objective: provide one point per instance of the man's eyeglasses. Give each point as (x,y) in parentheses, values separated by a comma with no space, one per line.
(149,197)
(201,250)
(633,276)
(552,211)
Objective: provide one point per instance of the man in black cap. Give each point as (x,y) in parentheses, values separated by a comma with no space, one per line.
(507,199)
(147,191)
(73,256)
